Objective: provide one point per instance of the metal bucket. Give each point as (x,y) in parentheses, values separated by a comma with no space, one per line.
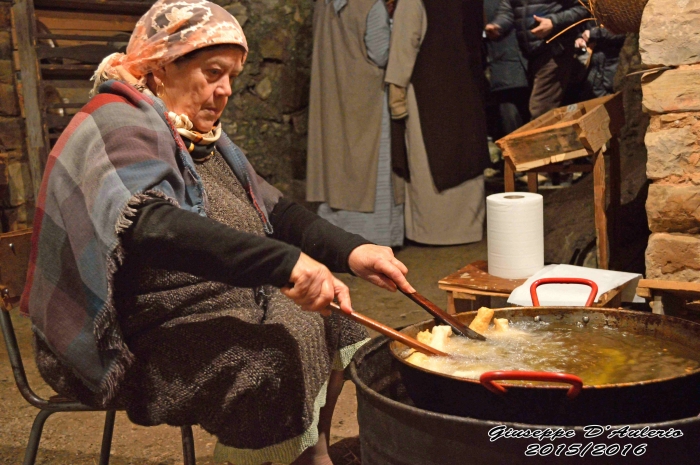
(394,432)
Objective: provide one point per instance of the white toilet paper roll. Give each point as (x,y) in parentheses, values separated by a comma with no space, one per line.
(515,234)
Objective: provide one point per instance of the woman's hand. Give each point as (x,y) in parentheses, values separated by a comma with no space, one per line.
(378,265)
(313,287)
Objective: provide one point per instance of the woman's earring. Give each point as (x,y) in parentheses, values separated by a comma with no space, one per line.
(160,89)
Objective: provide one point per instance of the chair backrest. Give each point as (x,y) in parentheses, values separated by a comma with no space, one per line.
(14,259)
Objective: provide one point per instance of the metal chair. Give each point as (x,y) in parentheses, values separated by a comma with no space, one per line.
(14,257)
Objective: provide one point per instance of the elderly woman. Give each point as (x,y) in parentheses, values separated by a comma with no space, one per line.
(159,256)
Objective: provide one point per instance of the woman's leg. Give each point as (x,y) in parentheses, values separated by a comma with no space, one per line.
(318,454)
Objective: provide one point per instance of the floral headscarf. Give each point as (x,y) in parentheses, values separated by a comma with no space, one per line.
(169,30)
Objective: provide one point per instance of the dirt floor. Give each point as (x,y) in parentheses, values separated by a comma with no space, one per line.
(74,438)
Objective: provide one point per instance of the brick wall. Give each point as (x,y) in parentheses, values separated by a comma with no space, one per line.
(670,36)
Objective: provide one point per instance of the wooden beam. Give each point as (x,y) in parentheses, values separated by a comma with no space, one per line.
(677,286)
(601,219)
(37,137)
(111,6)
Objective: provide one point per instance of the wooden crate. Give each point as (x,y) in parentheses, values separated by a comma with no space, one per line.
(565,133)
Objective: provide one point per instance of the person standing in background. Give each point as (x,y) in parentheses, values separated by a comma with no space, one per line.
(437,87)
(549,64)
(507,71)
(605,57)
(349,152)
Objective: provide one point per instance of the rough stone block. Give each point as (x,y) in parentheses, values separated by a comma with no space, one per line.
(671,91)
(674,208)
(670,32)
(673,257)
(672,152)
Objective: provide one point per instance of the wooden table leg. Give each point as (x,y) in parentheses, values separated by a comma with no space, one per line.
(657,305)
(532,182)
(601,220)
(615,199)
(451,303)
(509,175)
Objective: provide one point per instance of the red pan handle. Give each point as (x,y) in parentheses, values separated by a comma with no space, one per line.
(487,380)
(587,282)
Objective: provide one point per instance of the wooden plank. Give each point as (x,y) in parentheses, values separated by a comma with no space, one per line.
(14,259)
(120,38)
(110,6)
(614,206)
(550,160)
(509,174)
(644,292)
(543,144)
(88,53)
(37,137)
(601,220)
(61,21)
(473,292)
(475,277)
(532,182)
(658,284)
(559,168)
(594,128)
(68,83)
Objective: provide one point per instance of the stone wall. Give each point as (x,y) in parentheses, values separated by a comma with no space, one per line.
(16,196)
(267,116)
(672,98)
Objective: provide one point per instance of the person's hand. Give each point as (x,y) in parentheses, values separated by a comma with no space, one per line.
(544,28)
(313,287)
(378,265)
(493,31)
(580,43)
(586,35)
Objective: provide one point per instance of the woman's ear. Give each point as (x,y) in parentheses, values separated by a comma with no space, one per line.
(158,75)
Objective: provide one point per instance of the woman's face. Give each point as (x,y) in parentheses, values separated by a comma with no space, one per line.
(200,87)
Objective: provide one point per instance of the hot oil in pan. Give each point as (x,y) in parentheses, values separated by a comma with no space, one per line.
(599,355)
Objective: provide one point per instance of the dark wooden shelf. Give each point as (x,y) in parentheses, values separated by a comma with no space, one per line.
(118,7)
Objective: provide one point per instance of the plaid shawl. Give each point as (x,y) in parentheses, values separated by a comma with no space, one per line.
(118,151)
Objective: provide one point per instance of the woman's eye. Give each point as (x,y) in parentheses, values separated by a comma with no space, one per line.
(215,72)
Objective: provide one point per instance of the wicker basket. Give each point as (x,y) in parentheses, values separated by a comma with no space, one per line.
(619,16)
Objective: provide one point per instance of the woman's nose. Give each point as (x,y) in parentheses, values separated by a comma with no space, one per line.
(224,88)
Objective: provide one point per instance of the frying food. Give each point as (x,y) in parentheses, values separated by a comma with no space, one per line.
(482,320)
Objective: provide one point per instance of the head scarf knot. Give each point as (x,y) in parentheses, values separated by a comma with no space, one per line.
(168,31)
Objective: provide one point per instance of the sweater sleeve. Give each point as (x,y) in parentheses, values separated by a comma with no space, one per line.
(167,237)
(505,17)
(322,241)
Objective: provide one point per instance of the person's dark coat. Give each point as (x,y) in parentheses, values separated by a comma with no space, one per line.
(519,15)
(604,61)
(508,67)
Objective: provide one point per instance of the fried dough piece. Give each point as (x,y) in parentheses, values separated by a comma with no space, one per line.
(481,322)
(418,359)
(440,335)
(425,337)
(501,325)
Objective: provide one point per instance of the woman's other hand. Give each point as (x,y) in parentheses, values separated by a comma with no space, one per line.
(313,287)
(378,265)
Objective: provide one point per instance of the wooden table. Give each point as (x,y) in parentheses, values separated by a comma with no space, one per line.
(568,133)
(474,284)
(657,290)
